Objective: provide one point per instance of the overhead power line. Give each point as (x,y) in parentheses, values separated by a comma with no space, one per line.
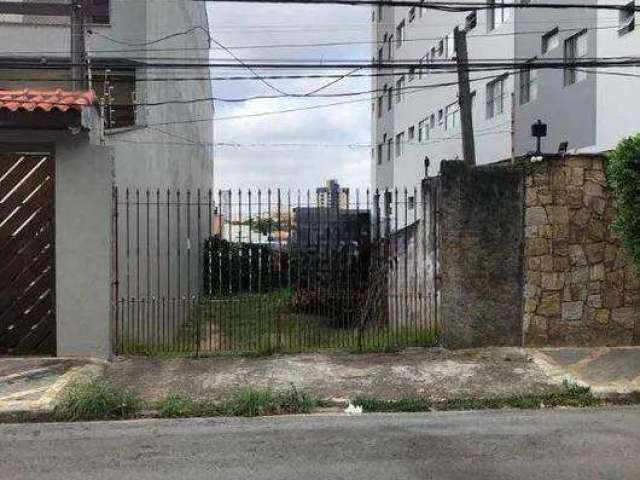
(311,94)
(596,62)
(455,6)
(295,45)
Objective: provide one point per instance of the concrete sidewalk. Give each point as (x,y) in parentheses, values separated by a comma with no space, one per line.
(606,370)
(31,384)
(435,372)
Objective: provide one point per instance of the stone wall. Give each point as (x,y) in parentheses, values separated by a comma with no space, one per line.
(580,288)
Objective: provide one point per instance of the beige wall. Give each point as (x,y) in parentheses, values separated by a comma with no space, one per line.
(580,288)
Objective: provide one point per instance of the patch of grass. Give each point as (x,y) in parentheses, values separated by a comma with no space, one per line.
(252,402)
(93,399)
(175,405)
(569,395)
(410,404)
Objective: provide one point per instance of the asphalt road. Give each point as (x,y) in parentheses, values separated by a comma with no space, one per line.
(549,445)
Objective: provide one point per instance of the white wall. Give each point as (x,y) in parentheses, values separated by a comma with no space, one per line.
(618,102)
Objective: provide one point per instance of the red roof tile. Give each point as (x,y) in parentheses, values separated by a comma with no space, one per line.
(46,100)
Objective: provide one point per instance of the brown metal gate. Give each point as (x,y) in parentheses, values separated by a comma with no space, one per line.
(27,273)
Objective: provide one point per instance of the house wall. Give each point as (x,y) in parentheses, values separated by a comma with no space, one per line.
(145,157)
(580,288)
(83,248)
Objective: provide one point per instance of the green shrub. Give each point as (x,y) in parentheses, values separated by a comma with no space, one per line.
(623,174)
(95,399)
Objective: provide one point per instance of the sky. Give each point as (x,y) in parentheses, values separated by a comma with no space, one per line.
(291,167)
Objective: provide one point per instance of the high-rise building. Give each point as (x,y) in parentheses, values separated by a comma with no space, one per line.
(332,195)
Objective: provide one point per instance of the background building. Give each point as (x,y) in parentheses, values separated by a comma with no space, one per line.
(332,195)
(589,111)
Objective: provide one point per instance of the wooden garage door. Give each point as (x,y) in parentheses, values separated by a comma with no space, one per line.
(27,275)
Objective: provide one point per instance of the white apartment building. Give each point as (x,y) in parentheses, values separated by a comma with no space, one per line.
(587,110)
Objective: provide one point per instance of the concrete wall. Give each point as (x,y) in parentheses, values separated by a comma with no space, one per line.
(411,288)
(144,156)
(83,248)
(580,287)
(480,256)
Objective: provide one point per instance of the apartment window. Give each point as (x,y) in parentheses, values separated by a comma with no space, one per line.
(627,19)
(99,12)
(550,40)
(412,73)
(400,34)
(411,202)
(389,149)
(497,13)
(380,100)
(412,14)
(379,13)
(432,121)
(373,16)
(389,53)
(440,47)
(411,133)
(390,98)
(380,54)
(471,21)
(495,97)
(399,89)
(440,117)
(452,117)
(380,150)
(574,48)
(399,144)
(421,137)
(528,86)
(119,99)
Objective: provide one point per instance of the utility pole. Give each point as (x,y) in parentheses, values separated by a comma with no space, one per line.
(464,96)
(78,47)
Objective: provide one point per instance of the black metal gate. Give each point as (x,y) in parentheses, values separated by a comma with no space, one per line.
(27,254)
(273,270)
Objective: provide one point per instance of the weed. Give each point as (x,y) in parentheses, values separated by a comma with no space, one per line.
(410,404)
(252,402)
(175,405)
(569,395)
(296,401)
(92,399)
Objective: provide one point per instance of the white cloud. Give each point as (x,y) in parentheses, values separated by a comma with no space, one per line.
(291,167)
